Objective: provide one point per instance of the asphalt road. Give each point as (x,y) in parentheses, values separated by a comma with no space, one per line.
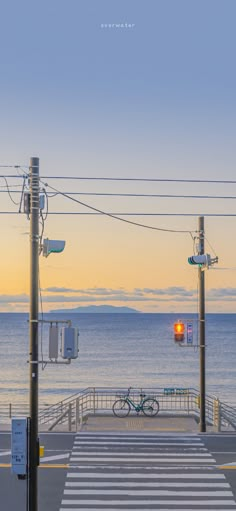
(83,471)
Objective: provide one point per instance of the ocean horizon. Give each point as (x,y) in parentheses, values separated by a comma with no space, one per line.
(120,350)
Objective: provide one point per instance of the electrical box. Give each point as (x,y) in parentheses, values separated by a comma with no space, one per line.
(41,201)
(69,342)
(53,341)
(19,446)
(27,202)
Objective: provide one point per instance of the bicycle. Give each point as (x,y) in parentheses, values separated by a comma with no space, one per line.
(148,405)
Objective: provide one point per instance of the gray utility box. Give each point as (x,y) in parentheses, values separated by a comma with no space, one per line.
(53,341)
(69,342)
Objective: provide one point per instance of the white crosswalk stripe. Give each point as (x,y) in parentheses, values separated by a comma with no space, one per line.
(132,472)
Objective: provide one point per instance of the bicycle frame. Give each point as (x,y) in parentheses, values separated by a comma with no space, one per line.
(137,407)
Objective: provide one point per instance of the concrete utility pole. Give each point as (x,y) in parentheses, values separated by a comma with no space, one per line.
(33,326)
(201,277)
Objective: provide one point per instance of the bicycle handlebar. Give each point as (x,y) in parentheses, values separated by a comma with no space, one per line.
(129,389)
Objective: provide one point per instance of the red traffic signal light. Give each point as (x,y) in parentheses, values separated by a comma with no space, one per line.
(179,329)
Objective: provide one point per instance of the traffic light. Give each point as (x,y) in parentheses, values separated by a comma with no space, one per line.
(201,260)
(179,329)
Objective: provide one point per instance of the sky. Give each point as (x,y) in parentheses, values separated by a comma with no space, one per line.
(120,89)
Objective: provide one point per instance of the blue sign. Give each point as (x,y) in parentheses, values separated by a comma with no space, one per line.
(189,333)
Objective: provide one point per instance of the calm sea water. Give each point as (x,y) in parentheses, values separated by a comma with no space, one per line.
(120,350)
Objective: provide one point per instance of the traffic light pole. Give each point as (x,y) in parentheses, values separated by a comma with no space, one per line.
(201,278)
(33,344)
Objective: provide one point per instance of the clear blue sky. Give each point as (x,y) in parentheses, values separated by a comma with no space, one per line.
(71,88)
(154,100)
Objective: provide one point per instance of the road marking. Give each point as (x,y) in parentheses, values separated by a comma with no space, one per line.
(137,454)
(45,465)
(132,484)
(147,468)
(158,459)
(50,465)
(90,435)
(57,450)
(145,473)
(152,493)
(137,475)
(223,452)
(5,453)
(54,458)
(106,503)
(227,467)
(141,509)
(151,443)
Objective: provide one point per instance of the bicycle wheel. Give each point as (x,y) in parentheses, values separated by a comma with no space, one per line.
(121,408)
(150,407)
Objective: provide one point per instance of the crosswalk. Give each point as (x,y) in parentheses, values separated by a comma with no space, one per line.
(146,472)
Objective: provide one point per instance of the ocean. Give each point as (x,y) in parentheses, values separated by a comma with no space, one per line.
(119,350)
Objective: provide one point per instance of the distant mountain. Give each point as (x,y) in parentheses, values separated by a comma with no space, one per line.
(97,309)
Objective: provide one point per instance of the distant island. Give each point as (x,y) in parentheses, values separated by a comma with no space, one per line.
(98,309)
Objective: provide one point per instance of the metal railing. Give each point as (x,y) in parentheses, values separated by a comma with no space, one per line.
(74,410)
(9,410)
(228,414)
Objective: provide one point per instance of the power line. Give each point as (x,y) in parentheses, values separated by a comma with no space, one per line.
(17,176)
(9,193)
(158,180)
(147,195)
(141,179)
(134,179)
(114,216)
(12,166)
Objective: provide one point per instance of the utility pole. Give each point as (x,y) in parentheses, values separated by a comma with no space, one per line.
(33,344)
(201,278)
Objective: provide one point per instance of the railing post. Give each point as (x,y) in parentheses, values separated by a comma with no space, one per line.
(94,396)
(70,417)
(219,417)
(10,410)
(77,413)
(216,414)
(82,412)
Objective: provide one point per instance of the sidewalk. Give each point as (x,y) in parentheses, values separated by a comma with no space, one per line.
(136,423)
(106,423)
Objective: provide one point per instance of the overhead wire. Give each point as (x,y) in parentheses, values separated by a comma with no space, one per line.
(146,195)
(83,213)
(115,217)
(141,179)
(9,193)
(211,247)
(13,166)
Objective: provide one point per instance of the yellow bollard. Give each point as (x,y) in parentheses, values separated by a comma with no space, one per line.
(216,412)
(41,451)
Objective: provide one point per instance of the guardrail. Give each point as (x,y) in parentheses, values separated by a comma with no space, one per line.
(9,410)
(228,414)
(75,409)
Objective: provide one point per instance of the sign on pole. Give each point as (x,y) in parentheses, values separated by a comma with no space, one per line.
(189,332)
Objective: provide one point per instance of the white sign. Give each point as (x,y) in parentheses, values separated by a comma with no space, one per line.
(19,449)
